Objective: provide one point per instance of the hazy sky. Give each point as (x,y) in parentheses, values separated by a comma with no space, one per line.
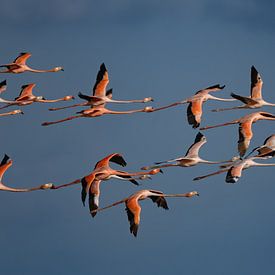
(164,49)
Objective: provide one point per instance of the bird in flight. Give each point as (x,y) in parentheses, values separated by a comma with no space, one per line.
(100,95)
(133,208)
(102,172)
(5,164)
(19,66)
(191,157)
(234,169)
(3,86)
(255,100)
(26,97)
(97,111)
(245,128)
(194,109)
(267,149)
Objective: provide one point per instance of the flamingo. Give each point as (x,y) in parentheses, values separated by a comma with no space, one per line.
(14,112)
(103,171)
(133,208)
(97,111)
(234,170)
(100,95)
(245,128)
(255,100)
(19,66)
(26,97)
(5,164)
(191,157)
(267,149)
(3,86)
(194,109)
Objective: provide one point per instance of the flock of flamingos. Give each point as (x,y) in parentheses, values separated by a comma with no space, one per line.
(95,106)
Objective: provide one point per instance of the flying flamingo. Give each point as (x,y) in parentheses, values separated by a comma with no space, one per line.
(234,170)
(103,171)
(97,111)
(267,149)
(27,97)
(100,95)
(5,164)
(19,66)
(245,128)
(255,100)
(14,112)
(133,208)
(194,109)
(191,157)
(3,86)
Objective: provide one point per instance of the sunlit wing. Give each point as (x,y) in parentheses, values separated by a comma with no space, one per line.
(22,58)
(256,84)
(102,81)
(26,92)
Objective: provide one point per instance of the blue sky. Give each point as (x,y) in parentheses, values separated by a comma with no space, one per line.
(150,48)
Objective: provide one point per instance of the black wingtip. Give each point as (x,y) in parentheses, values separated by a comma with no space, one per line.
(199,136)
(5,159)
(3,83)
(103,67)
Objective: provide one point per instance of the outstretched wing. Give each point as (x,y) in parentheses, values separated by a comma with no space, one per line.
(194,113)
(94,193)
(245,135)
(86,184)
(133,213)
(245,100)
(3,86)
(22,58)
(116,158)
(102,81)
(193,150)
(5,165)
(160,201)
(26,92)
(234,173)
(256,84)
(213,88)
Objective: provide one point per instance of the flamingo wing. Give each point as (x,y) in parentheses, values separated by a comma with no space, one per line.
(5,165)
(256,84)
(102,81)
(245,135)
(234,173)
(244,99)
(213,88)
(133,210)
(26,92)
(3,86)
(160,201)
(86,184)
(116,158)
(194,113)
(193,150)
(94,193)
(22,58)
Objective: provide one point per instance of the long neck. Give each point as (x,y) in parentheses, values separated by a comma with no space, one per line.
(227,109)
(210,162)
(269,104)
(126,101)
(220,99)
(159,166)
(61,120)
(50,100)
(122,173)
(41,71)
(124,112)
(10,189)
(211,174)
(263,164)
(7,114)
(187,195)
